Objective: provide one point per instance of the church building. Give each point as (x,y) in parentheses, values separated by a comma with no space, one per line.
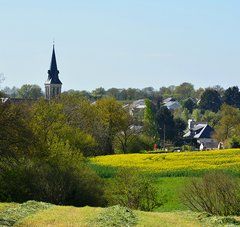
(53,85)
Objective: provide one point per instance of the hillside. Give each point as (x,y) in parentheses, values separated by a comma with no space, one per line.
(39,214)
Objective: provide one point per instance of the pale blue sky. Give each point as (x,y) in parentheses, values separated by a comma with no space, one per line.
(124,43)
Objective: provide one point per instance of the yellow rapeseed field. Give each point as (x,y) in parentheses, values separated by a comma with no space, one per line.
(184,161)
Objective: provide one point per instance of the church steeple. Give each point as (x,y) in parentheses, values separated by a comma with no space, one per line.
(53,71)
(53,84)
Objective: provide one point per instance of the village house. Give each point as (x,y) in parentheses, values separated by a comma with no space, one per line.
(201,134)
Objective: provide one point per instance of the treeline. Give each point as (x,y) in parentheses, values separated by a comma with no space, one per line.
(180,92)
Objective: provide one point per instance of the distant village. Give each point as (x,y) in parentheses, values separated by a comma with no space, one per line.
(182,101)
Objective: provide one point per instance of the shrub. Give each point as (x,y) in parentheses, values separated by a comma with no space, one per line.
(57,181)
(140,143)
(234,142)
(187,148)
(215,193)
(132,190)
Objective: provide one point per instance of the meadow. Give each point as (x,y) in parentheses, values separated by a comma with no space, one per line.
(170,171)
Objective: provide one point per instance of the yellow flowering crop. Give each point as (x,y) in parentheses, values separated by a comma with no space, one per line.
(198,160)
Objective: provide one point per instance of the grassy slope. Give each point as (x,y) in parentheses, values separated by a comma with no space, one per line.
(71,216)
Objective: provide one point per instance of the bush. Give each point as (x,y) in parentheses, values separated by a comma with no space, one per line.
(140,143)
(234,142)
(58,181)
(216,193)
(132,190)
(187,148)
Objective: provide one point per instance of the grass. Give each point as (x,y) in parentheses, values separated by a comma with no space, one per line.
(169,190)
(12,214)
(113,216)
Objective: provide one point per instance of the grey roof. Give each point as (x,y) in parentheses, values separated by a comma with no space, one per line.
(199,130)
(168,100)
(172,105)
(139,104)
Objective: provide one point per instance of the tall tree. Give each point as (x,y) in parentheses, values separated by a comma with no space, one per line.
(111,117)
(184,91)
(165,124)
(232,96)
(149,119)
(210,100)
(228,125)
(28,91)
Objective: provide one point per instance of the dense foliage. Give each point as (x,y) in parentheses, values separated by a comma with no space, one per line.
(216,193)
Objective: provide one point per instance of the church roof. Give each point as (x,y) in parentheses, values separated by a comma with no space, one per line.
(53,71)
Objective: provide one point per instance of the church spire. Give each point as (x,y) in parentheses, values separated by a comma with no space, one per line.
(53,84)
(53,71)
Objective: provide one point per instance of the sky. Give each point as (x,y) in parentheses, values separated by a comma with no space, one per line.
(124,43)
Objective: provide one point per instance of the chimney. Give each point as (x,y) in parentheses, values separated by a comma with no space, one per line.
(191,124)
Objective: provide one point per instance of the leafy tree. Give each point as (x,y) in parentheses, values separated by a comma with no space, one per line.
(184,91)
(167,92)
(196,115)
(232,96)
(228,125)
(28,91)
(165,124)
(11,92)
(50,124)
(16,137)
(210,100)
(150,126)
(189,104)
(112,118)
(211,118)
(180,126)
(98,93)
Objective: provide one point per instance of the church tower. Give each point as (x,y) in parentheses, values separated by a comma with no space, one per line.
(53,85)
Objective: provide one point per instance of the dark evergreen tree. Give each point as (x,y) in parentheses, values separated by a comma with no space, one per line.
(189,104)
(232,96)
(210,100)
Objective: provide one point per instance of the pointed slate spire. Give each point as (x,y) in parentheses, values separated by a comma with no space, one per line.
(53,71)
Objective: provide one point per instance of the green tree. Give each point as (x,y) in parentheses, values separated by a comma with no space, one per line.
(210,100)
(98,93)
(150,126)
(111,118)
(165,124)
(16,137)
(28,91)
(228,125)
(184,91)
(189,104)
(232,96)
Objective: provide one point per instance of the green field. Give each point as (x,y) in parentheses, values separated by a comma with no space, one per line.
(170,171)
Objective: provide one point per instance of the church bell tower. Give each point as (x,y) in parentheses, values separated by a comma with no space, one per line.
(53,84)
